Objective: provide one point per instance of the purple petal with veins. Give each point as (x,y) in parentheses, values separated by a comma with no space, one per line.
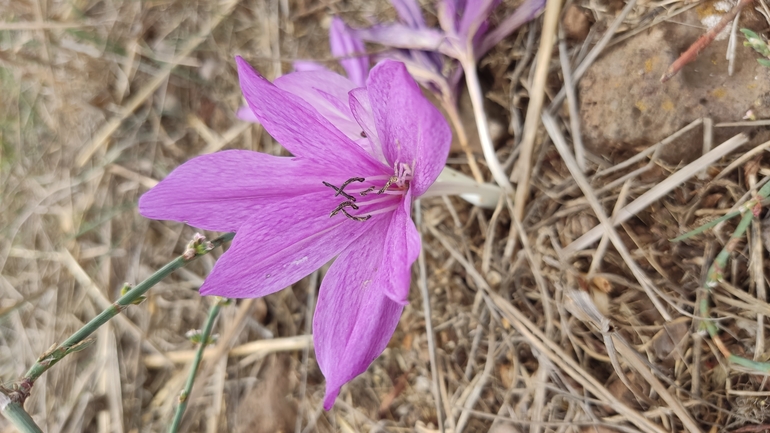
(340,195)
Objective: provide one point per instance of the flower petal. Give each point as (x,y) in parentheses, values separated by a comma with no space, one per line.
(399,35)
(308,65)
(446,11)
(411,129)
(409,12)
(351,51)
(354,319)
(525,13)
(220,191)
(362,112)
(327,92)
(474,14)
(402,246)
(297,126)
(283,243)
(244,113)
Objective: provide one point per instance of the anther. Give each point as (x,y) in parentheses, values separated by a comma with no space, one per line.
(342,207)
(391,181)
(355,218)
(368,190)
(363,134)
(339,191)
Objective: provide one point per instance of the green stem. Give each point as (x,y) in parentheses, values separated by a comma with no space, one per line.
(716,274)
(77,341)
(213,313)
(15,413)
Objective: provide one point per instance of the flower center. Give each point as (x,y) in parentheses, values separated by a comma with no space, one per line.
(375,195)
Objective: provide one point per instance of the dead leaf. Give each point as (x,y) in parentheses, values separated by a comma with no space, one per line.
(665,343)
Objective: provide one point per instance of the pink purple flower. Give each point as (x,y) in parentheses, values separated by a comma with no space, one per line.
(463,34)
(360,156)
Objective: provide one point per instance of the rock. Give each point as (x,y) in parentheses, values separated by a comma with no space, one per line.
(575,23)
(624,107)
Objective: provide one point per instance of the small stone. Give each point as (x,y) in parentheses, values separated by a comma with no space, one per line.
(576,24)
(625,109)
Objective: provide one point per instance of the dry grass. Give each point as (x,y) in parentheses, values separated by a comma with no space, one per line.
(102,99)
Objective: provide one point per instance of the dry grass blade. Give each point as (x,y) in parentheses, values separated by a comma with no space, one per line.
(64,257)
(523,169)
(607,226)
(486,344)
(106,131)
(583,302)
(539,341)
(659,190)
(423,284)
(692,52)
(211,355)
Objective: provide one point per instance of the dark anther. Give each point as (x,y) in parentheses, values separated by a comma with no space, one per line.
(342,207)
(390,182)
(339,191)
(368,190)
(356,218)
(363,134)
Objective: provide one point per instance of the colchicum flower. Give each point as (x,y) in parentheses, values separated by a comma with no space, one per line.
(361,155)
(463,35)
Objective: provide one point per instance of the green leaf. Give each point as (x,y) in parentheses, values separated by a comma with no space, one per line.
(755,41)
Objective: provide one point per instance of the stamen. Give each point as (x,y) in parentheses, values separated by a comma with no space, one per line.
(342,207)
(391,181)
(384,210)
(381,199)
(339,191)
(368,190)
(363,134)
(355,218)
(351,180)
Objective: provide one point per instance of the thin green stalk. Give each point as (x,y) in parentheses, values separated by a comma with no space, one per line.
(79,340)
(15,413)
(204,340)
(715,275)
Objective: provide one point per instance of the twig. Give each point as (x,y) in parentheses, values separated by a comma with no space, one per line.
(258,347)
(523,168)
(592,55)
(606,225)
(732,45)
(658,191)
(715,276)
(614,340)
(79,340)
(758,273)
(708,143)
(429,324)
(702,42)
(572,104)
(462,136)
(132,104)
(462,421)
(539,341)
(204,340)
(312,286)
